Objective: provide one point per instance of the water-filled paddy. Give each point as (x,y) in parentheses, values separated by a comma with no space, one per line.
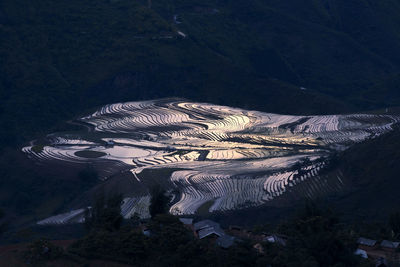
(226,156)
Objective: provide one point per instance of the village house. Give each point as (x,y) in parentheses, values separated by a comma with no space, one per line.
(383,252)
(366,244)
(210,230)
(389,246)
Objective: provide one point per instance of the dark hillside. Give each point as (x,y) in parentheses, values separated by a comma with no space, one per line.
(373,168)
(61,58)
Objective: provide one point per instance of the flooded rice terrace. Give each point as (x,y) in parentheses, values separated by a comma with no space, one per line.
(229,157)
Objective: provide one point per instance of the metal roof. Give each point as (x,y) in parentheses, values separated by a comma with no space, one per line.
(275,239)
(186,220)
(204,224)
(209,231)
(389,244)
(366,242)
(361,253)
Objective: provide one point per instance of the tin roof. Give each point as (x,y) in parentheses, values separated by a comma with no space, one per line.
(186,221)
(389,244)
(204,224)
(361,253)
(209,231)
(366,242)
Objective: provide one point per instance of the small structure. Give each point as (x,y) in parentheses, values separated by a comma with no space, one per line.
(362,253)
(389,246)
(186,221)
(276,239)
(146,231)
(205,224)
(381,262)
(183,35)
(211,229)
(210,232)
(365,243)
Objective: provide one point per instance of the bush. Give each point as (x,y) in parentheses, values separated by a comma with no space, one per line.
(42,250)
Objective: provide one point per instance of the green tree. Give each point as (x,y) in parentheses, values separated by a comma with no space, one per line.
(105,214)
(3,224)
(159,201)
(394,223)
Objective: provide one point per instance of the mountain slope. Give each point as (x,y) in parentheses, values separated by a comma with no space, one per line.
(60,58)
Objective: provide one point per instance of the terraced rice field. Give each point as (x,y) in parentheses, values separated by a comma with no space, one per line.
(233,157)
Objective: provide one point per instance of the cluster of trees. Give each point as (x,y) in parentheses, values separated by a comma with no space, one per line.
(3,223)
(61,58)
(41,251)
(29,192)
(370,170)
(314,238)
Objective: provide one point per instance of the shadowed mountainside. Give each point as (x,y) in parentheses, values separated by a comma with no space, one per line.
(61,58)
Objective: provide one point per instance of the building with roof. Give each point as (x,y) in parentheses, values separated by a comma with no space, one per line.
(389,245)
(276,239)
(381,262)
(362,253)
(186,221)
(210,232)
(365,243)
(211,229)
(205,224)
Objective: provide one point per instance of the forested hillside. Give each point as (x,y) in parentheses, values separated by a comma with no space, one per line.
(61,58)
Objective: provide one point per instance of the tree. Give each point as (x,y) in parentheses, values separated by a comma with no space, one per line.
(3,224)
(105,214)
(159,201)
(394,223)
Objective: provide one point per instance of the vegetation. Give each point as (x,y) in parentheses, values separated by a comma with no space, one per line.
(105,214)
(3,223)
(159,201)
(371,169)
(62,58)
(315,238)
(41,251)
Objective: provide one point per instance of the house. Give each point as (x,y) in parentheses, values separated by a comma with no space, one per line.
(366,244)
(276,239)
(212,230)
(205,224)
(207,228)
(389,246)
(381,262)
(186,221)
(362,253)
(145,230)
